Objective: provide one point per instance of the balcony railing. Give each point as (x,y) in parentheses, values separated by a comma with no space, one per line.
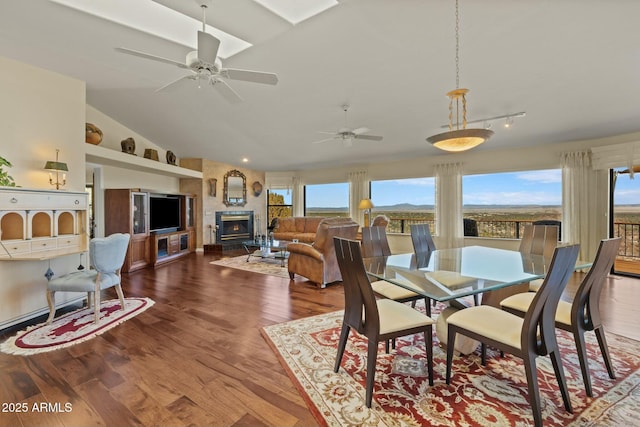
(505,229)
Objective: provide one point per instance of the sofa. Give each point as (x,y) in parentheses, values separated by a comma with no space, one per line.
(317,262)
(302,228)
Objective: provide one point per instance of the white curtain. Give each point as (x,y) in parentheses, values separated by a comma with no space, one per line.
(358,190)
(297,196)
(449,205)
(584,203)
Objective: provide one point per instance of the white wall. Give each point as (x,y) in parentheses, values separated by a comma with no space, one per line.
(40,111)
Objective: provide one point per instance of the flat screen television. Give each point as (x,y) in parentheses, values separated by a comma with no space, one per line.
(164,213)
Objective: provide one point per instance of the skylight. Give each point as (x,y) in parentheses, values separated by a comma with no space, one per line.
(158,20)
(296,11)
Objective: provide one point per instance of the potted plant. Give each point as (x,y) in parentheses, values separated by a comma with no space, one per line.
(5,179)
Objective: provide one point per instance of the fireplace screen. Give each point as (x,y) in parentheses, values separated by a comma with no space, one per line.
(234,226)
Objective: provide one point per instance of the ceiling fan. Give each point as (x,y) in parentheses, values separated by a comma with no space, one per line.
(347,134)
(206,67)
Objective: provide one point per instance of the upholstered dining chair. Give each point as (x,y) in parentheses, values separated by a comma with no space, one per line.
(528,337)
(538,240)
(375,243)
(583,314)
(107,256)
(421,238)
(377,319)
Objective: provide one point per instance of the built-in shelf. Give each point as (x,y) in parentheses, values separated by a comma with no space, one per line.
(109,157)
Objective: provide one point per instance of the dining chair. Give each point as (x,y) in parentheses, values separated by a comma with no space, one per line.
(421,238)
(539,240)
(528,337)
(583,314)
(377,319)
(375,243)
(107,256)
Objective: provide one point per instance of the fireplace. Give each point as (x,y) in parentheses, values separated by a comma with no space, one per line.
(234,226)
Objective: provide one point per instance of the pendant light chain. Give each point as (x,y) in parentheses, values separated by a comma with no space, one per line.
(457,47)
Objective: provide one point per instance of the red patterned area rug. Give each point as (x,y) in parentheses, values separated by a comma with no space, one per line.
(74,327)
(495,395)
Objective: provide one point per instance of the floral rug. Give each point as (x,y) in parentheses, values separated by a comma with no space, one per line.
(74,327)
(256,264)
(495,395)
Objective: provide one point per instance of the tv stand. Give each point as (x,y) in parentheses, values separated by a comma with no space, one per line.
(170,246)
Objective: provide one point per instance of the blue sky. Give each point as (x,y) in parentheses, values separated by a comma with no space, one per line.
(542,187)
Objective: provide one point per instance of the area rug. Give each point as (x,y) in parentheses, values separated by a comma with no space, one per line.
(269,266)
(495,395)
(74,327)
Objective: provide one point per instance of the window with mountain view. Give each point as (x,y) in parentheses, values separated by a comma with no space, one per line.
(327,200)
(503,203)
(404,201)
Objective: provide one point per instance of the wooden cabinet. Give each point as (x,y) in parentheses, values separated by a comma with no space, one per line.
(42,224)
(128,211)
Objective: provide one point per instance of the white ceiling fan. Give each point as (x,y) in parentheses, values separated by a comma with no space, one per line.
(347,134)
(206,67)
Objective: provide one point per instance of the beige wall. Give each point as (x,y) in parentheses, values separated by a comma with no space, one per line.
(40,111)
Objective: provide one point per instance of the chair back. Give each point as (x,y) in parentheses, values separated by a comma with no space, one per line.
(585,308)
(421,238)
(381,220)
(108,253)
(539,240)
(538,328)
(374,241)
(361,310)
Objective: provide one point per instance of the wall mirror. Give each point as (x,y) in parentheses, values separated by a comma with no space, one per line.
(235,188)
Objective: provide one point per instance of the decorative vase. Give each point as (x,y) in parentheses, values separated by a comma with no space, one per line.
(171,158)
(150,153)
(92,134)
(128,146)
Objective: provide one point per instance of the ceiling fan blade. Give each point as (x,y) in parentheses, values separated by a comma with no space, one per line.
(324,140)
(369,137)
(174,84)
(250,76)
(151,57)
(226,91)
(207,47)
(324,132)
(360,130)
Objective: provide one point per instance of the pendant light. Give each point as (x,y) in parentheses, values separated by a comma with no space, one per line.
(459,138)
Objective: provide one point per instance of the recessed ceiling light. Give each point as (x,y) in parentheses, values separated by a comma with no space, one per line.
(155,19)
(245,160)
(296,11)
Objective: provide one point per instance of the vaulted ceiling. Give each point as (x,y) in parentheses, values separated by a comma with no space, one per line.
(573,66)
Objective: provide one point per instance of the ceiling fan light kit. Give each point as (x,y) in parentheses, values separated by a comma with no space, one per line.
(347,134)
(459,138)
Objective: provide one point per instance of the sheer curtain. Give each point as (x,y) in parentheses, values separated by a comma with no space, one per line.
(297,196)
(449,205)
(358,190)
(584,203)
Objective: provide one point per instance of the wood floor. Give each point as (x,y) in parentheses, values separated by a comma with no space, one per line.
(197,357)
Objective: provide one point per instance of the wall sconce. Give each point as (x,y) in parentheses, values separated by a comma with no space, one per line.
(57,167)
(366,205)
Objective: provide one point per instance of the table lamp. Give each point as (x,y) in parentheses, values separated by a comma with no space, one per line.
(366,205)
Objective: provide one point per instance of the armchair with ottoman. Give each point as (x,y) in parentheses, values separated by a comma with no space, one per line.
(317,262)
(302,228)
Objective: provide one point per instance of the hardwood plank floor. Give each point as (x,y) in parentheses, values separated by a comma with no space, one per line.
(197,356)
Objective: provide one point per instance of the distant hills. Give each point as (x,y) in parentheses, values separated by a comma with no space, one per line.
(400,207)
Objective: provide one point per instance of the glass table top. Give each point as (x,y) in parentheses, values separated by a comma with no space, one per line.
(448,274)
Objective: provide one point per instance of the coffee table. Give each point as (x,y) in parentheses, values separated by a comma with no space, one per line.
(276,249)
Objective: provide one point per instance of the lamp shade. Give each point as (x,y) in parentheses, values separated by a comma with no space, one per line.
(56,166)
(365,204)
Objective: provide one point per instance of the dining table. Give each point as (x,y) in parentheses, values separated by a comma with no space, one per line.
(449,275)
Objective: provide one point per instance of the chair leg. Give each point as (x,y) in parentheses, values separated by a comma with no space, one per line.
(578,337)
(556,360)
(120,296)
(96,308)
(342,344)
(451,339)
(604,349)
(427,305)
(372,355)
(483,354)
(533,389)
(428,343)
(51,300)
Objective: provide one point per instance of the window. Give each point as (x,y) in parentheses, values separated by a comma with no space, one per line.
(327,200)
(404,201)
(503,203)
(279,204)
